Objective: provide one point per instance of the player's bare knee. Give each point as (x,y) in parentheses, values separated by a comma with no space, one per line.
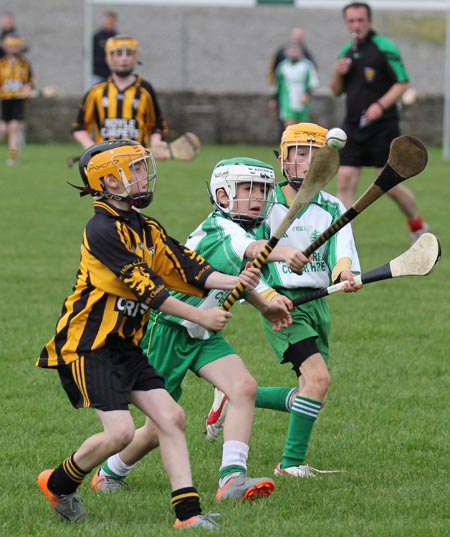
(120,438)
(176,419)
(323,380)
(180,418)
(244,390)
(320,381)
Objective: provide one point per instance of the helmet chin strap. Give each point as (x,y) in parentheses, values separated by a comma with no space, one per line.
(123,74)
(295,183)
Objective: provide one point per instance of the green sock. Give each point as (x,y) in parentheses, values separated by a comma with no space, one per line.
(303,416)
(274,398)
(228,470)
(107,470)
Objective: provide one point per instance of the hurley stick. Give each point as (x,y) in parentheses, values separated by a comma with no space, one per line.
(407,158)
(419,260)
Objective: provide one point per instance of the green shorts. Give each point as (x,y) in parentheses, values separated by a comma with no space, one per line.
(308,320)
(299,116)
(172,352)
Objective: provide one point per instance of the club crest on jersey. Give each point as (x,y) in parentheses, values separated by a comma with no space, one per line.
(369,74)
(315,235)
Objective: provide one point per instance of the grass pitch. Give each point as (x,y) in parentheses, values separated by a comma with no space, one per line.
(386,422)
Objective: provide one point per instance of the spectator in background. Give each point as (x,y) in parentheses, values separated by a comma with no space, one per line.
(370,71)
(297,35)
(100,68)
(8,26)
(296,78)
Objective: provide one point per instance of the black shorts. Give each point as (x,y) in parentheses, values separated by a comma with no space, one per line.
(13,109)
(105,377)
(368,146)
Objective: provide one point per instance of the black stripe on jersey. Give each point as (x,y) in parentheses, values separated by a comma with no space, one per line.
(104,103)
(79,376)
(120,97)
(137,97)
(78,306)
(93,325)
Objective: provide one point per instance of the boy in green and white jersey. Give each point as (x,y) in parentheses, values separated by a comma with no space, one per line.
(239,190)
(304,344)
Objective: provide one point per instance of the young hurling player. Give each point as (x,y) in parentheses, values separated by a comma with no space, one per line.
(123,106)
(304,344)
(16,85)
(127,263)
(239,189)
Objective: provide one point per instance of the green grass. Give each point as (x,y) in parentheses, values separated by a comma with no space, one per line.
(386,421)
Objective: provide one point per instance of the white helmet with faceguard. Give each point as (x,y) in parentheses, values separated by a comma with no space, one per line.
(300,135)
(228,174)
(123,159)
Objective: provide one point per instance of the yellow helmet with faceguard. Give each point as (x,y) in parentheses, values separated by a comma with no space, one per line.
(308,134)
(300,135)
(13,43)
(122,43)
(122,159)
(117,48)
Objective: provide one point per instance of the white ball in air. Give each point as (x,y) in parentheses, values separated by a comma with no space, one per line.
(336,138)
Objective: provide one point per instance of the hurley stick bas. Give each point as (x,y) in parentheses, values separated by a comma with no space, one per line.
(419,260)
(407,158)
(71,160)
(185,147)
(324,165)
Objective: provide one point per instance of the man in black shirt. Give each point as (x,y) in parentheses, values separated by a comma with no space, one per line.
(370,71)
(100,69)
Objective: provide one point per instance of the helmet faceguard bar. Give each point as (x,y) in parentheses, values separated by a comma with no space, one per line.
(300,135)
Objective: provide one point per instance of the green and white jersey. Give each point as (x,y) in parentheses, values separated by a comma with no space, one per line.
(294,79)
(222,243)
(309,224)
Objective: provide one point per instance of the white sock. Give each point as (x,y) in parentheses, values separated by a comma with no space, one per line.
(234,453)
(115,466)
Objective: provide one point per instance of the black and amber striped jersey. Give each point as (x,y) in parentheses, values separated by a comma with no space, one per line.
(14,74)
(128,263)
(108,113)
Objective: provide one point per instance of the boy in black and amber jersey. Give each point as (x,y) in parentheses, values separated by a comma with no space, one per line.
(124,106)
(16,85)
(127,263)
